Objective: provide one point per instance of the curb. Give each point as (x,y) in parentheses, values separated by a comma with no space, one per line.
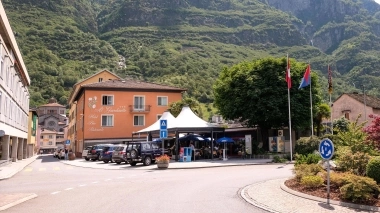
(324,200)
(244,194)
(11,174)
(9,205)
(201,167)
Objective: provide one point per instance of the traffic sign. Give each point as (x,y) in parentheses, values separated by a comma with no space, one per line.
(67,142)
(163,124)
(326,149)
(163,133)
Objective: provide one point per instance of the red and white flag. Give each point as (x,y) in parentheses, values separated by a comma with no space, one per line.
(287,77)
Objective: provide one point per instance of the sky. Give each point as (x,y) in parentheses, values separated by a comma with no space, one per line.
(378,1)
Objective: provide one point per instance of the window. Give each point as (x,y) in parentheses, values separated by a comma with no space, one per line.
(2,69)
(138,120)
(107,120)
(146,146)
(158,117)
(41,143)
(100,79)
(0,101)
(347,115)
(162,101)
(62,112)
(50,143)
(107,100)
(50,136)
(42,137)
(138,102)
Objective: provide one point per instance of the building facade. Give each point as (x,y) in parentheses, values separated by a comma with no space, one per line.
(109,112)
(101,76)
(351,105)
(32,133)
(47,141)
(14,95)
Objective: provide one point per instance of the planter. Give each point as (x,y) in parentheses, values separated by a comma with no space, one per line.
(71,156)
(162,165)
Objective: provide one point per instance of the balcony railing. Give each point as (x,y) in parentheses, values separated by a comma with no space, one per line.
(139,108)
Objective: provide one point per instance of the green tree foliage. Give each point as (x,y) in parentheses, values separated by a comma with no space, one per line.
(256,93)
(373,169)
(341,125)
(323,111)
(176,107)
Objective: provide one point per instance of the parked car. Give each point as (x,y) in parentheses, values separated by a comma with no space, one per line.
(142,152)
(106,153)
(85,153)
(120,154)
(61,154)
(94,153)
(55,153)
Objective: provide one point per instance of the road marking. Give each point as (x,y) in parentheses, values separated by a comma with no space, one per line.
(56,168)
(95,182)
(120,177)
(82,185)
(53,193)
(29,169)
(42,169)
(69,189)
(69,167)
(107,179)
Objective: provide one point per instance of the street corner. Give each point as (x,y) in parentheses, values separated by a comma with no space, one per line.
(10,200)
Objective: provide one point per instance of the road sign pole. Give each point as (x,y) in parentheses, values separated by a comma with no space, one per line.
(328,182)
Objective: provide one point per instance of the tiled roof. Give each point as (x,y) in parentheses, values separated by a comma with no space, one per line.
(46,131)
(130,84)
(371,101)
(95,75)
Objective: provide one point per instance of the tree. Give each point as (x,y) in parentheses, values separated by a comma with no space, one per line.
(341,125)
(176,107)
(256,94)
(373,130)
(323,111)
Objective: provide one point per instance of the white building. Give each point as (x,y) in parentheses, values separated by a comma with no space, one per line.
(14,95)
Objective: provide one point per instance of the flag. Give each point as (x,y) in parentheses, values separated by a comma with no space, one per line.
(287,77)
(330,79)
(306,80)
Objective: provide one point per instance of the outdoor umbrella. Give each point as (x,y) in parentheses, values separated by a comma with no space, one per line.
(191,137)
(225,140)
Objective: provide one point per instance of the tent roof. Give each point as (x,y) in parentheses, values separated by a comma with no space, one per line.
(187,121)
(156,126)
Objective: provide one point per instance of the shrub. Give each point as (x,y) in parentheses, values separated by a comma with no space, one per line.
(373,169)
(163,159)
(338,179)
(312,181)
(359,188)
(303,170)
(308,159)
(352,162)
(306,146)
(278,159)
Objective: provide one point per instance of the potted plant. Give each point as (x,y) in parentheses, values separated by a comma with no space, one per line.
(163,161)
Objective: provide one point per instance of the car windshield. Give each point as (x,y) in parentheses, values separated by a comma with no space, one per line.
(133,146)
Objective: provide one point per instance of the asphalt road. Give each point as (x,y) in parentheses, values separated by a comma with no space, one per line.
(64,188)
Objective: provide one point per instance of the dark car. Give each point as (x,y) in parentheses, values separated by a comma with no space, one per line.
(142,152)
(106,153)
(120,154)
(94,153)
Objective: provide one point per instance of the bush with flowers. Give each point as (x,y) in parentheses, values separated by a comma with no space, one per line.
(163,159)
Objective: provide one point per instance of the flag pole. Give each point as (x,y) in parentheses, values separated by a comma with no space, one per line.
(330,91)
(311,107)
(290,119)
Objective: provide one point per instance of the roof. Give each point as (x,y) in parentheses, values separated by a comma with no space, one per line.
(97,74)
(46,131)
(371,101)
(131,84)
(52,105)
(156,126)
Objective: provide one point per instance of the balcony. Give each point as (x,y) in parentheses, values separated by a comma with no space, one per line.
(139,108)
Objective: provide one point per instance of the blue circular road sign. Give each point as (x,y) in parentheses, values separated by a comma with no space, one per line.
(326,149)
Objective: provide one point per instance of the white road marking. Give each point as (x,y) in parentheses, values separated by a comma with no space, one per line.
(120,177)
(82,185)
(53,193)
(69,189)
(107,179)
(95,182)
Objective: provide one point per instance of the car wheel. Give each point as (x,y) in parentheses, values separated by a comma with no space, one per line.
(133,153)
(87,159)
(118,162)
(105,161)
(147,161)
(132,163)
(98,158)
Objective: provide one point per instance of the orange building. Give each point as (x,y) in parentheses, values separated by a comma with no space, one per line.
(110,111)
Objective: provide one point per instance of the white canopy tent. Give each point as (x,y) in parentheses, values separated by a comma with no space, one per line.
(156,126)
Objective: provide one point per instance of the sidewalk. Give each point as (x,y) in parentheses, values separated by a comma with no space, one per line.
(7,171)
(172,165)
(275,197)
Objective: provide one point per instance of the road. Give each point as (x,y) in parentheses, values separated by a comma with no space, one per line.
(64,188)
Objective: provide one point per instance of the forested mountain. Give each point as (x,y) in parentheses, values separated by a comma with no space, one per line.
(186,42)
